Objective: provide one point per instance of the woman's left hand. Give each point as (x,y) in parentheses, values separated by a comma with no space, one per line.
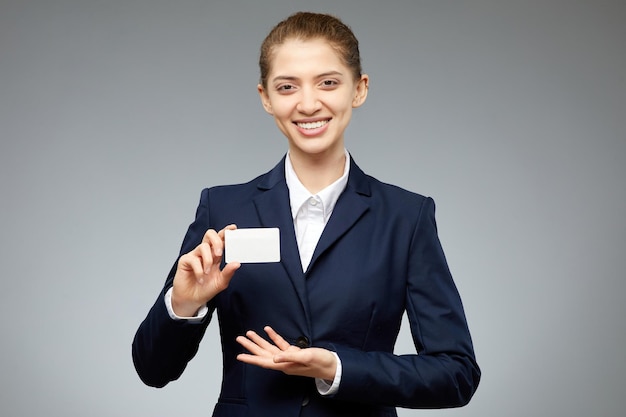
(290,359)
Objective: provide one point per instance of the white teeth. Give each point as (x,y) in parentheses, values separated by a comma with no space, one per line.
(312,125)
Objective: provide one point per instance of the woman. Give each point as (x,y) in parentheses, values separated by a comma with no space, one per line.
(313,335)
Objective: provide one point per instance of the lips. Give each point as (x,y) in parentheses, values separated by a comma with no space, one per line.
(312,125)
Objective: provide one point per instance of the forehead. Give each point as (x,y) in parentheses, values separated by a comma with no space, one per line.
(297,57)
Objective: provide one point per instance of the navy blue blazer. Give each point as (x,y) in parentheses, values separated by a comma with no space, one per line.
(378,257)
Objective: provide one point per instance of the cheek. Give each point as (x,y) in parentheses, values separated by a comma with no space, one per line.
(345,107)
(281,109)
(343,103)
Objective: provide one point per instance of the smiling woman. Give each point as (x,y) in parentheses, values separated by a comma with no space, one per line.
(355,256)
(311,94)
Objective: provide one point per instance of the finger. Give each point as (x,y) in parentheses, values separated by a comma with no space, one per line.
(221,233)
(204,252)
(207,235)
(214,241)
(278,340)
(285,357)
(252,347)
(260,341)
(191,263)
(262,361)
(301,356)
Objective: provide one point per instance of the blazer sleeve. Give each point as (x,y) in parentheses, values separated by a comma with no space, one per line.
(444,372)
(162,347)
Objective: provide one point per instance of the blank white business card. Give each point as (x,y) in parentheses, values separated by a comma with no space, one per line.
(254,245)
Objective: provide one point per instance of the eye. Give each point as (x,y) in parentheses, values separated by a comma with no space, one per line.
(329,83)
(285,88)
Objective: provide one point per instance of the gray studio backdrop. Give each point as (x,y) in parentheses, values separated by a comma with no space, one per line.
(114,114)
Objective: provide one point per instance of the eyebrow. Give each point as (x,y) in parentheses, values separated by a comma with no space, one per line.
(292,78)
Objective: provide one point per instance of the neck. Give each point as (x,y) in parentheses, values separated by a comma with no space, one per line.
(317,173)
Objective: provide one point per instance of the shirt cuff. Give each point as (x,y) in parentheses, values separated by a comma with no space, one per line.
(196,319)
(324,387)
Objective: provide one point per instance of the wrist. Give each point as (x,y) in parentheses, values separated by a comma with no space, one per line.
(184,308)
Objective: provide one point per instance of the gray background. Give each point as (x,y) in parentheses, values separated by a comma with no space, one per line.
(114,115)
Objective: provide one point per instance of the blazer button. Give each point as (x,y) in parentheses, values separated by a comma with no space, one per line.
(303,342)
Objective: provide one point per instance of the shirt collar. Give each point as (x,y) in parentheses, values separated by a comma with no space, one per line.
(298,194)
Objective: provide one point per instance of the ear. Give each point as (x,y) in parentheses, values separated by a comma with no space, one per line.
(362,87)
(265,100)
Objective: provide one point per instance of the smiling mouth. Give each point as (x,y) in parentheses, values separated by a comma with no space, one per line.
(312,125)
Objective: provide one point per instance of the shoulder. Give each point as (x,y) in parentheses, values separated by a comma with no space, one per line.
(395,191)
(382,192)
(398,202)
(245,191)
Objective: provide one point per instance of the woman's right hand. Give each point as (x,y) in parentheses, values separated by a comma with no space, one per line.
(198,277)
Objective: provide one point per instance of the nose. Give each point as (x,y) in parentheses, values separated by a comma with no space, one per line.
(309,102)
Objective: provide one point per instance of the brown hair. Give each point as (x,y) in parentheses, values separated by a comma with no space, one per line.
(306,26)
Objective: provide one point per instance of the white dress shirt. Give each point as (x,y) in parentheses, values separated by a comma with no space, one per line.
(310,214)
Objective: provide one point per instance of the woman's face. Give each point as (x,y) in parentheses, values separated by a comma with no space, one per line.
(311,94)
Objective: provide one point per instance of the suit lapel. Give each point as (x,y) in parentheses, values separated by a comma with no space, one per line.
(351,205)
(274,210)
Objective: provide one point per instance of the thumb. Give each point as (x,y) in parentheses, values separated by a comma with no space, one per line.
(229,270)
